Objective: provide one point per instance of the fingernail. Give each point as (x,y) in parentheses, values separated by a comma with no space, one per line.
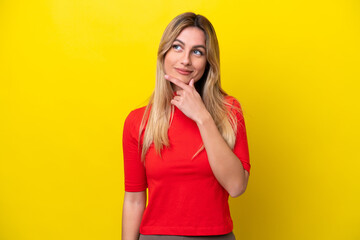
(166,76)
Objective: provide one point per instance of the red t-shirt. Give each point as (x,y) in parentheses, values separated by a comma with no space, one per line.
(185,198)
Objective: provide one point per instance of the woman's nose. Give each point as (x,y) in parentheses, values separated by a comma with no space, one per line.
(186,59)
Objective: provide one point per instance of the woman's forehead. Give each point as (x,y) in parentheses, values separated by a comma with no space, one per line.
(191,36)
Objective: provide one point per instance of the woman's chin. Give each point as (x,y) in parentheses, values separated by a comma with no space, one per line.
(185,80)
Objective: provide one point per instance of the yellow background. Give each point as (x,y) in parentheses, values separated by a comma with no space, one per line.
(71,71)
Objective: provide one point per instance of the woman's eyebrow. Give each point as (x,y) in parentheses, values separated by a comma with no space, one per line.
(196,46)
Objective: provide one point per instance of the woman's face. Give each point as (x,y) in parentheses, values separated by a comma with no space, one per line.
(186,59)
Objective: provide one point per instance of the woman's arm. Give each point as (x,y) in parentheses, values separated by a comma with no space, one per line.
(225,165)
(133,209)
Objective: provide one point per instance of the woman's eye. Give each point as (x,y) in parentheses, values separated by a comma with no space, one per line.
(197,52)
(176,47)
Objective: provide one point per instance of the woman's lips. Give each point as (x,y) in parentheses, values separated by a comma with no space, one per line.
(183,72)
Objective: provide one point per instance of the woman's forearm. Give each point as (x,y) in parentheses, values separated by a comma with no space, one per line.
(131,218)
(225,165)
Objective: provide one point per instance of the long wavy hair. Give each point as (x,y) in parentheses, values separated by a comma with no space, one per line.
(159,111)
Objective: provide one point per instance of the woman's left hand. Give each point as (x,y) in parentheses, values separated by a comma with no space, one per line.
(188,100)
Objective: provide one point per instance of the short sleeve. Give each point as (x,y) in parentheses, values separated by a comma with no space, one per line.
(241,148)
(134,169)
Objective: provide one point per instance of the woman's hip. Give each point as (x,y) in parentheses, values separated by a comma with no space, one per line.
(229,236)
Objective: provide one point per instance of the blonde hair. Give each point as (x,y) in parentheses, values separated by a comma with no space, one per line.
(159,111)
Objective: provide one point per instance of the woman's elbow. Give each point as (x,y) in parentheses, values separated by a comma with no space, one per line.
(237,192)
(241,186)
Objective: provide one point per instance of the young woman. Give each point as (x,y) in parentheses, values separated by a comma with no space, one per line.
(188,146)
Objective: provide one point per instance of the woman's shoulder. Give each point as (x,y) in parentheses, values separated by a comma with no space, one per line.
(133,121)
(232,102)
(234,106)
(136,114)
